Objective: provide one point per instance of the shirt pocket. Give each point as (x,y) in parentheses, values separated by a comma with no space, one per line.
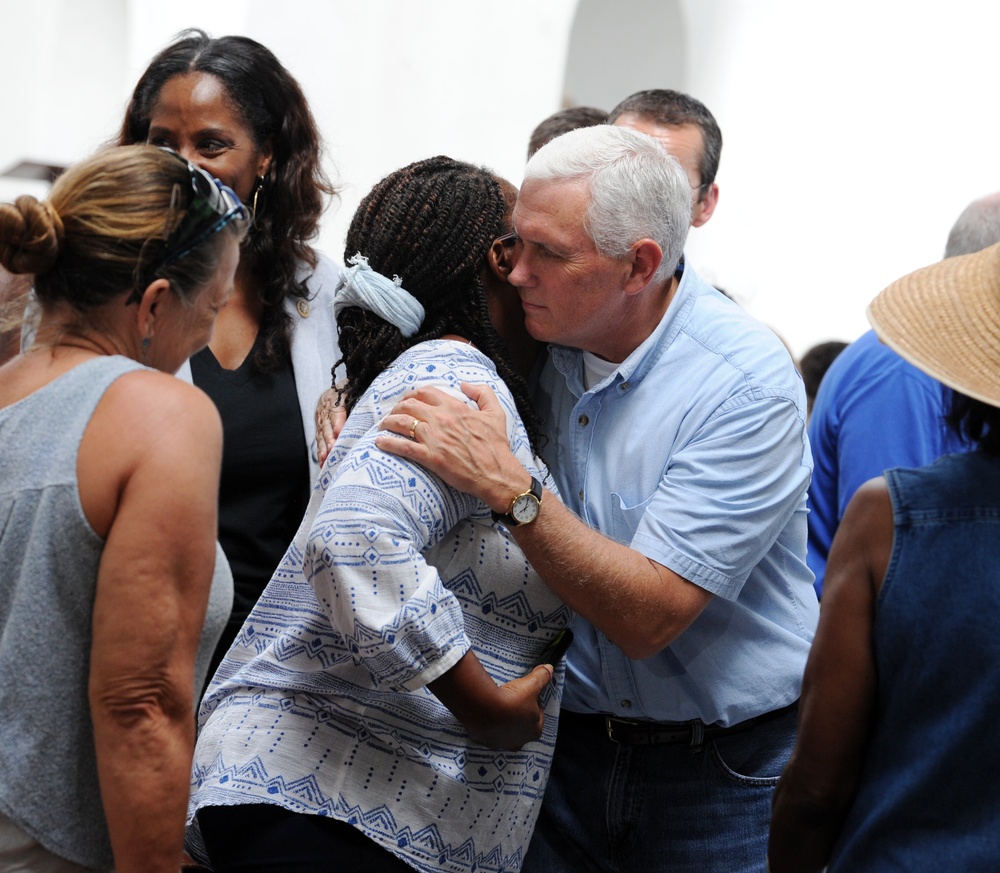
(626,515)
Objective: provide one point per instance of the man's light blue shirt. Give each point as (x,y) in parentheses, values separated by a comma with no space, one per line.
(694,453)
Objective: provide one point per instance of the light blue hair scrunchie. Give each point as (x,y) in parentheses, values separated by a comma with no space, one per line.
(362,286)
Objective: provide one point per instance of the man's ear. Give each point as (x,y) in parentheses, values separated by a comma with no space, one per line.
(704,208)
(644,259)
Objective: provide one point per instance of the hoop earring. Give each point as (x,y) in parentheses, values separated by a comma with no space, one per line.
(257,188)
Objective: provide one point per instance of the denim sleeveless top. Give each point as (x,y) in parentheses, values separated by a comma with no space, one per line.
(49,556)
(929,798)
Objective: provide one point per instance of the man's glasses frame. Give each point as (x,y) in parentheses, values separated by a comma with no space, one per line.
(508,239)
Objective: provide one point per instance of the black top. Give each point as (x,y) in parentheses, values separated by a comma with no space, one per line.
(265,473)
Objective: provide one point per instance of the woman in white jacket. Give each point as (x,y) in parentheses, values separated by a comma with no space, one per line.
(228,105)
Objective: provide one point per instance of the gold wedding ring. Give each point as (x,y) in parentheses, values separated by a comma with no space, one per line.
(413,428)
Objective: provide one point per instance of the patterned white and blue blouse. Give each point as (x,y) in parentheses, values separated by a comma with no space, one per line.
(321,705)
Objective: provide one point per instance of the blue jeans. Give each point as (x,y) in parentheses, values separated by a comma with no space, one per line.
(677,808)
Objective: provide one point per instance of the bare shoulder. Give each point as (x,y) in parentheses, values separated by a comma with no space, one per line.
(872,494)
(148,429)
(146,400)
(863,542)
(869,512)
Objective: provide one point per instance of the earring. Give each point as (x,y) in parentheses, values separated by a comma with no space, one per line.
(257,188)
(144,348)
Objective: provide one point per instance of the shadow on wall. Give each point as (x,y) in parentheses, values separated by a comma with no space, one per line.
(651,56)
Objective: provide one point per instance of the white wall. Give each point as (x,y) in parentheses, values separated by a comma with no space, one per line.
(611,56)
(855,132)
(389,81)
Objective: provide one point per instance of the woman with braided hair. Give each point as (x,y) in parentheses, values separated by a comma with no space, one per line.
(387,702)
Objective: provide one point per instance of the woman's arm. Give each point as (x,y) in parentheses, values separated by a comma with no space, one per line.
(152,590)
(499,716)
(818,786)
(330,420)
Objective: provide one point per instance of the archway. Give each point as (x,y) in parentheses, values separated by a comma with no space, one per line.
(646,40)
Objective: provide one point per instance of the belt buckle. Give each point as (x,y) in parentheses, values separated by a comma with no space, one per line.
(691,733)
(609,727)
(610,721)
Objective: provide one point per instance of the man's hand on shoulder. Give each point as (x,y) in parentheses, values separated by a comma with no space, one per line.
(468,448)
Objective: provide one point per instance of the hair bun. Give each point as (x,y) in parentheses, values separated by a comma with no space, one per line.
(30,234)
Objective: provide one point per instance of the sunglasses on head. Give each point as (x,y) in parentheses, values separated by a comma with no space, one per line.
(213,206)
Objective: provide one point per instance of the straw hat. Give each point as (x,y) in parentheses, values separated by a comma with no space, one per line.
(945,319)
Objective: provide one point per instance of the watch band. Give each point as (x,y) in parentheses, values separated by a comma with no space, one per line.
(534,493)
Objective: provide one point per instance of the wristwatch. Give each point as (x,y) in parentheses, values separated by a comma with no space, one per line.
(523,508)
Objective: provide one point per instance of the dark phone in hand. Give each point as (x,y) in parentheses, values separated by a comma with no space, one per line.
(554,651)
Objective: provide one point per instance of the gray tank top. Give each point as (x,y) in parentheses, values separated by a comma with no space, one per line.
(49,557)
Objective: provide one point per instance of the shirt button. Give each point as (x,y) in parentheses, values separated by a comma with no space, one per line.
(625,386)
(626,704)
(581,495)
(583,421)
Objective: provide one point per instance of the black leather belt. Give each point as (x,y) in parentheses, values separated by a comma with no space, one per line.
(630,732)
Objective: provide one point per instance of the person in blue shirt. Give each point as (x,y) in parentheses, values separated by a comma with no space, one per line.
(874,410)
(676,435)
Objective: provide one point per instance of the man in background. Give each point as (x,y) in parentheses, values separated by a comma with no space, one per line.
(814,363)
(562,122)
(688,131)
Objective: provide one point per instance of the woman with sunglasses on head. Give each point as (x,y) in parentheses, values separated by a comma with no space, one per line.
(228,105)
(382,705)
(113,591)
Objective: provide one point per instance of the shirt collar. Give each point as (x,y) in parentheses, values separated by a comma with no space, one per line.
(569,362)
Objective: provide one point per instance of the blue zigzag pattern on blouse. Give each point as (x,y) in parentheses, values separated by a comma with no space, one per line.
(393,650)
(390,578)
(305,794)
(513,611)
(400,728)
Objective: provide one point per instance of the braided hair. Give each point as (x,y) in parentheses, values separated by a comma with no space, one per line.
(432,223)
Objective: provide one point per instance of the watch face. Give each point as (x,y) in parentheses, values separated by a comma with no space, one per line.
(525,508)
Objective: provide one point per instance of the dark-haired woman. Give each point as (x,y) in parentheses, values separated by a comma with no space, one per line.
(896,766)
(228,105)
(113,591)
(382,705)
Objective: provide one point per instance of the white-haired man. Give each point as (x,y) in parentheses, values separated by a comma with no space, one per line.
(676,427)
